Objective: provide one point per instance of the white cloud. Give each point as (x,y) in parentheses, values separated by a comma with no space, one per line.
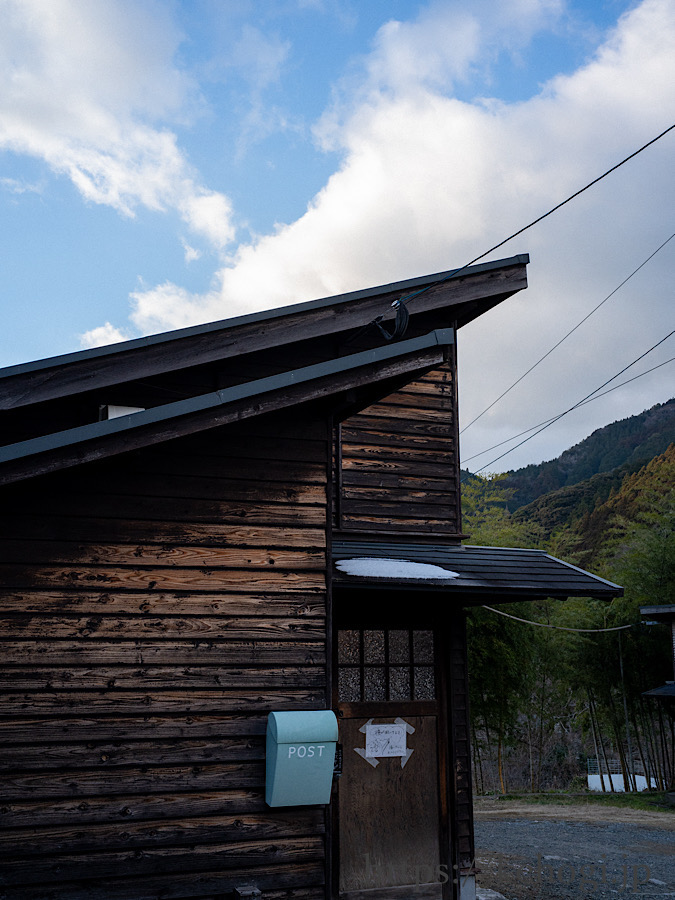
(86,86)
(208,213)
(428,181)
(259,57)
(19,186)
(167,302)
(102,335)
(427,178)
(191,253)
(448,40)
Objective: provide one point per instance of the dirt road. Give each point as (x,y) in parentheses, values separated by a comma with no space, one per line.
(543,852)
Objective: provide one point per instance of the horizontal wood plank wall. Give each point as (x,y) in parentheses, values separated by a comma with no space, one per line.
(399,464)
(154,609)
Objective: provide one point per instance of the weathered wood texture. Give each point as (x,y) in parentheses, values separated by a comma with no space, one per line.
(153,610)
(72,448)
(460,746)
(389,813)
(397,462)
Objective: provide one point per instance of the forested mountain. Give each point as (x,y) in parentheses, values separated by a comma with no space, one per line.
(585,523)
(628,443)
(543,699)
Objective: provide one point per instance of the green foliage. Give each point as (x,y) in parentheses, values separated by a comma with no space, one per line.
(500,677)
(567,506)
(500,657)
(485,515)
(629,443)
(634,531)
(649,802)
(531,687)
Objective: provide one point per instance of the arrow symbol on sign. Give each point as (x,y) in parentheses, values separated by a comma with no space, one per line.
(369,759)
(362,753)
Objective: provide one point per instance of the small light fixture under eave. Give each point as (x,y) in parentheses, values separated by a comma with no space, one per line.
(110,411)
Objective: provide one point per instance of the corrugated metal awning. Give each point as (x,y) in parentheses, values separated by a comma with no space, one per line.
(499,573)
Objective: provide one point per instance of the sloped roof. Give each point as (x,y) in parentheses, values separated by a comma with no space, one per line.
(496,573)
(458,295)
(661,613)
(96,440)
(665,692)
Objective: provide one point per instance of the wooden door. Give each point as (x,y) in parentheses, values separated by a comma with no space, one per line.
(389,807)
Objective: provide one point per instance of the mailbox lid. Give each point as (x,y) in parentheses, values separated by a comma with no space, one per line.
(302,727)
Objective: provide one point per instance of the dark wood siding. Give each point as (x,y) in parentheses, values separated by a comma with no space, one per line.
(460,742)
(397,462)
(154,609)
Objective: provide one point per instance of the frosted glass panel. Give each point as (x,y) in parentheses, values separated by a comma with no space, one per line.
(373,646)
(399,683)
(423,646)
(425,688)
(348,647)
(349,685)
(373,684)
(399,646)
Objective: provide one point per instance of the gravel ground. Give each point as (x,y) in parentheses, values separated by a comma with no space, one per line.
(528,852)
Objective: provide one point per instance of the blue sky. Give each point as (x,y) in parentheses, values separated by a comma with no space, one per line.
(166,163)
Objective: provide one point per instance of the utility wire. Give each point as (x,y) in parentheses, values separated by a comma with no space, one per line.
(576,405)
(555,346)
(404,300)
(557,627)
(583,403)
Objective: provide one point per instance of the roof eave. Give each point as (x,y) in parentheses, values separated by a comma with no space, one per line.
(484,574)
(663,613)
(108,438)
(483,593)
(474,289)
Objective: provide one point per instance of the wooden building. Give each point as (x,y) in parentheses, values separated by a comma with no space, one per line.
(185,520)
(665,615)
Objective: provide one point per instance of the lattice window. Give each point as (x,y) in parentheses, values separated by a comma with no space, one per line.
(386,665)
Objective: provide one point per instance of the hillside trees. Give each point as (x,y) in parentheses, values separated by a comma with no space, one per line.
(516,701)
(628,443)
(485,515)
(543,698)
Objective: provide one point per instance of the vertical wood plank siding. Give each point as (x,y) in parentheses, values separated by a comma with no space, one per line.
(460,736)
(399,463)
(153,610)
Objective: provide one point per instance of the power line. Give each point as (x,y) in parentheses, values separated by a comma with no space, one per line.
(578,325)
(583,403)
(588,396)
(557,627)
(404,300)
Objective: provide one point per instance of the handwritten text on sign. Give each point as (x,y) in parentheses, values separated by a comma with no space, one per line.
(385,740)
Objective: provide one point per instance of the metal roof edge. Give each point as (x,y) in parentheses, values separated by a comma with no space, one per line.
(510,549)
(664,609)
(57,440)
(665,691)
(610,584)
(452,547)
(261,316)
(589,585)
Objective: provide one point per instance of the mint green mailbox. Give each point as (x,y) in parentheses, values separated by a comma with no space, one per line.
(300,757)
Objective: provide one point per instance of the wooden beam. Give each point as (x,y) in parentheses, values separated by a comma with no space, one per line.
(106,439)
(466,295)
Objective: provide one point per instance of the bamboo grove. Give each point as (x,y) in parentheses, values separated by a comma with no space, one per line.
(546,700)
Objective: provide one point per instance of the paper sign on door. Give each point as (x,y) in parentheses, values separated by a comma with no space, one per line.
(385,740)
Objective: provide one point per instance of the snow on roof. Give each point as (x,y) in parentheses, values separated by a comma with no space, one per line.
(370,567)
